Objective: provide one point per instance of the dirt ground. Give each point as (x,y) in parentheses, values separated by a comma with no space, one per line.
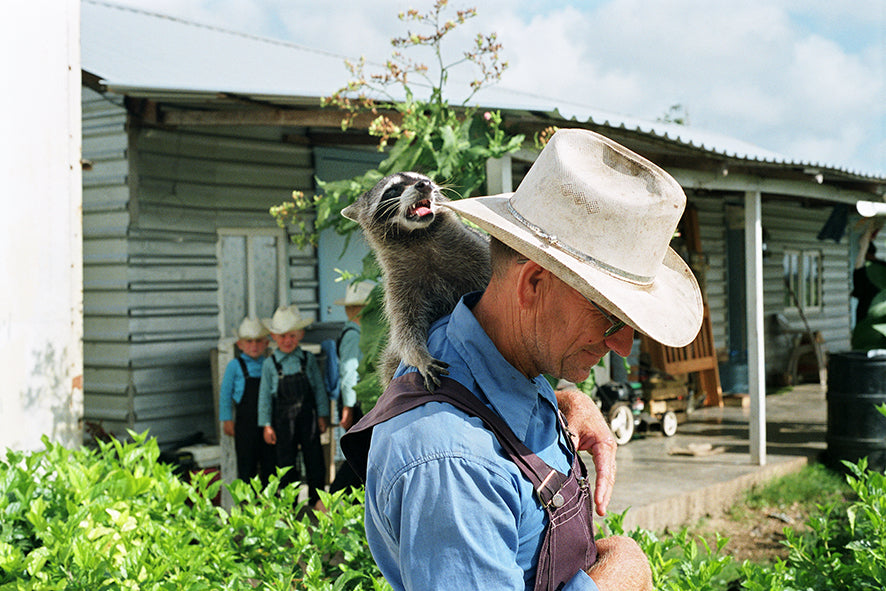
(757,534)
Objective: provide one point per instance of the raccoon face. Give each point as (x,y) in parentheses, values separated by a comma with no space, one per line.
(405,200)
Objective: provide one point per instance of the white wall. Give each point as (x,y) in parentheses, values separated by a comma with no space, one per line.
(40,226)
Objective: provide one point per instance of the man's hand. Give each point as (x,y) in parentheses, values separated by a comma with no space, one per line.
(592,434)
(322,424)
(621,566)
(270,435)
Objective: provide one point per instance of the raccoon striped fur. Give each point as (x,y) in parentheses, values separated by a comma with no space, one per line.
(428,258)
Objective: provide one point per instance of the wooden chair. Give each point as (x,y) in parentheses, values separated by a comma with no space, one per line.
(698,356)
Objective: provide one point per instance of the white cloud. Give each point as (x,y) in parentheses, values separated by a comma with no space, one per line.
(795,76)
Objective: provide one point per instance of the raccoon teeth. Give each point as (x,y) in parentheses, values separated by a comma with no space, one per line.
(420,209)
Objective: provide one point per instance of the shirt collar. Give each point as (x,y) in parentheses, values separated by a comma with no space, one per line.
(510,393)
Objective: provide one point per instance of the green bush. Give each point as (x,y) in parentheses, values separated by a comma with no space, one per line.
(117,518)
(844,549)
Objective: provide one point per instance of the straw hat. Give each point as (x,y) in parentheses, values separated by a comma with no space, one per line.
(601,218)
(251,328)
(286,319)
(356,294)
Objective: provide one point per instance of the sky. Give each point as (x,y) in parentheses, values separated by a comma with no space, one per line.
(803,78)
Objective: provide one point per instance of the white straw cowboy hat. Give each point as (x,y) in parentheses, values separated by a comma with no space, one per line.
(251,328)
(601,219)
(286,319)
(356,294)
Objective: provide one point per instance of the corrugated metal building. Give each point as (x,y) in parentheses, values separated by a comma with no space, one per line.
(190,143)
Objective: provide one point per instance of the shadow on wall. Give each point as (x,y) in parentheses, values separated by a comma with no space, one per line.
(54,399)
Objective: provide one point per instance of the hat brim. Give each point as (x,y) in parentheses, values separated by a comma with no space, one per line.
(669,310)
(274,329)
(345,302)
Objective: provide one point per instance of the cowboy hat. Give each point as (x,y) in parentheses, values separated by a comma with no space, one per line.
(286,319)
(251,328)
(356,294)
(601,218)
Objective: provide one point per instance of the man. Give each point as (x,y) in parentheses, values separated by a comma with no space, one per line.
(580,260)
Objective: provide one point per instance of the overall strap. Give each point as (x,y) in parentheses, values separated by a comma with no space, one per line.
(302,357)
(243,368)
(408,392)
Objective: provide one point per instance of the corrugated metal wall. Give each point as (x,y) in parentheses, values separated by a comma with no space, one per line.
(151,268)
(794,225)
(106,220)
(789,224)
(155,199)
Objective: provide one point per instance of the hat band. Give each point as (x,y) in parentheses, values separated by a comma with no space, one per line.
(582,257)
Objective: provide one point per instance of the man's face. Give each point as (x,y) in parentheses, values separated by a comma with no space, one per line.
(570,339)
(288,341)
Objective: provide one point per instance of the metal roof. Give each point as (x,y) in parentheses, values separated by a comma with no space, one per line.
(141,53)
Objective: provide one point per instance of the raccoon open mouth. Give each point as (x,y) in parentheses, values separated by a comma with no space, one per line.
(420,210)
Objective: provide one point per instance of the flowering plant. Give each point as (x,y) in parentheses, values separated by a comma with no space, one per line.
(450,144)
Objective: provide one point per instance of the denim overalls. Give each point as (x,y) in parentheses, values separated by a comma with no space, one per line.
(568,544)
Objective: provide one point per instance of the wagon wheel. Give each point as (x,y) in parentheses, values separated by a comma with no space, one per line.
(669,423)
(621,422)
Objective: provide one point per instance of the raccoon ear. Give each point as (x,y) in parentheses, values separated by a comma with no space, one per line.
(350,212)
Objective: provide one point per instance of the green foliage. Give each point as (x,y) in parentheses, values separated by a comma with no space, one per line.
(423,133)
(116,518)
(870,333)
(845,547)
(450,144)
(679,562)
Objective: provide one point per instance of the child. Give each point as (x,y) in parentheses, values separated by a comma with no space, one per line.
(292,386)
(239,390)
(349,355)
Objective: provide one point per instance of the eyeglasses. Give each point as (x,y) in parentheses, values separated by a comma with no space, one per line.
(615,324)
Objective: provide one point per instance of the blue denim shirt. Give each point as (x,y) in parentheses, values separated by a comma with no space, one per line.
(291,364)
(349,356)
(234,384)
(445,508)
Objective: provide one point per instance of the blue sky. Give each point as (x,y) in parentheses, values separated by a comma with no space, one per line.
(805,78)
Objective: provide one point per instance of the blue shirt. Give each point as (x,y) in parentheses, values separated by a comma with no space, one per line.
(445,508)
(291,363)
(234,384)
(349,356)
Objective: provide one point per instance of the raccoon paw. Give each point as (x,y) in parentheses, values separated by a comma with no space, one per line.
(431,373)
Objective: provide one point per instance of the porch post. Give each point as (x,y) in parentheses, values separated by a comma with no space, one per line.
(755,337)
(498,175)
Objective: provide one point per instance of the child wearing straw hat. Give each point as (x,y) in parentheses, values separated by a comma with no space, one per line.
(349,355)
(238,402)
(292,387)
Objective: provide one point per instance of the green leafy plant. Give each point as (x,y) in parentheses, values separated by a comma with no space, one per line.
(116,517)
(845,547)
(450,144)
(419,130)
(870,333)
(679,561)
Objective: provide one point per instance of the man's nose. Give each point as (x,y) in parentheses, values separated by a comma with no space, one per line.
(622,341)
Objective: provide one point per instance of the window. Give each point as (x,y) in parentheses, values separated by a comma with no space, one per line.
(802,272)
(252,275)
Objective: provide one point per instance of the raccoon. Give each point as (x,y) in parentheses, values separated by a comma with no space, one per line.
(428,258)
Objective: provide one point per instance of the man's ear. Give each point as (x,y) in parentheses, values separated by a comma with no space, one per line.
(532,278)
